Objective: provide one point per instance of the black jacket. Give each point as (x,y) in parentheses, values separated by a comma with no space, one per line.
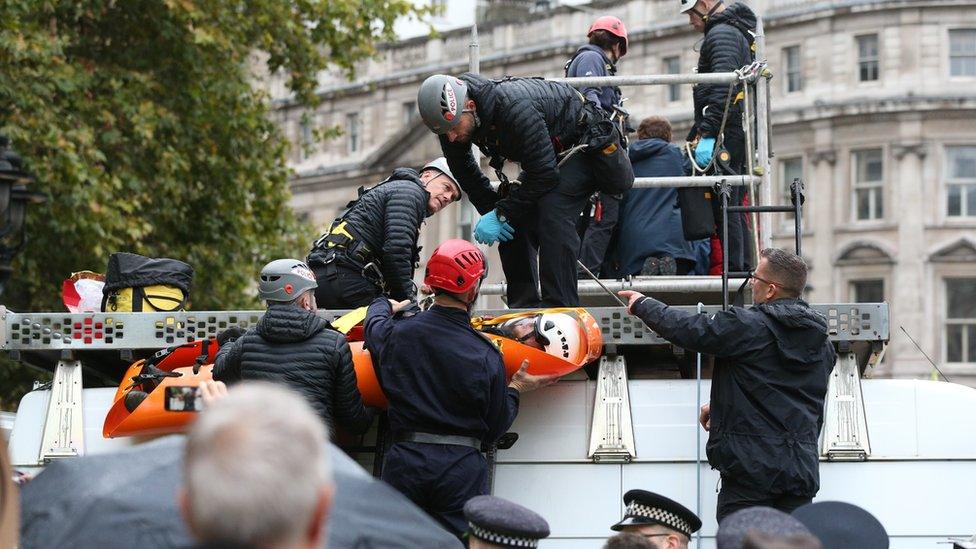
(439,374)
(388,218)
(724,49)
(298,348)
(768,391)
(524,120)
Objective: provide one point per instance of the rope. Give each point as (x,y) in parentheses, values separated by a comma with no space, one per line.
(747,73)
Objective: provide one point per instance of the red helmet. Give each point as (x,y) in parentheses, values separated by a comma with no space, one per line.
(612,25)
(455,266)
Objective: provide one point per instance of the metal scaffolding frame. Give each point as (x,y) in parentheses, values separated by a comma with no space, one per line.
(757,126)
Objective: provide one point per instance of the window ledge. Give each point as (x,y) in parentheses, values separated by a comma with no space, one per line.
(789,234)
(866,226)
(954,223)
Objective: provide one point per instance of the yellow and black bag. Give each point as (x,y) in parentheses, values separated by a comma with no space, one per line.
(135,283)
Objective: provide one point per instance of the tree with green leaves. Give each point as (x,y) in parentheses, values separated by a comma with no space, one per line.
(142,124)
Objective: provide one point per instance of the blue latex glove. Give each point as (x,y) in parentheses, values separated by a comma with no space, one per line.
(704,150)
(489,229)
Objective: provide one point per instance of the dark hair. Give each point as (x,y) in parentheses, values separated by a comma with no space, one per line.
(786,268)
(604,39)
(654,126)
(628,540)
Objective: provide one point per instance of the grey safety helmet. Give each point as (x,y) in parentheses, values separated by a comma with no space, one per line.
(283,280)
(441,101)
(686,5)
(440,164)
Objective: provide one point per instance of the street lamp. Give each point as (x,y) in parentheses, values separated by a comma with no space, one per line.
(14,197)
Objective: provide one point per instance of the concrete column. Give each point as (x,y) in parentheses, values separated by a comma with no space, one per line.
(907,281)
(820,216)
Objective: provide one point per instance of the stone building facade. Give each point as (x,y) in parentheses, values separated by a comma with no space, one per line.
(874,106)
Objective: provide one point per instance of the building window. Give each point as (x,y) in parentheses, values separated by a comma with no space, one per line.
(867,57)
(467,216)
(409,112)
(791,168)
(794,70)
(352,132)
(672,65)
(961,181)
(867,291)
(307,140)
(868,185)
(960,328)
(962,52)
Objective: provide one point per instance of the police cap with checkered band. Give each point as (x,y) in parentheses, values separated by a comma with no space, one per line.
(645,507)
(504,523)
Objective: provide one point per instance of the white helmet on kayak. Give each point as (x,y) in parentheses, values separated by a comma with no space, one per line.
(560,333)
(686,5)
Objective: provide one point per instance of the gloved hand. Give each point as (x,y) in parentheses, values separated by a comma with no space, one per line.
(229,335)
(489,229)
(704,150)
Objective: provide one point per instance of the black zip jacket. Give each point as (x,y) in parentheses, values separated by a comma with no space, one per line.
(724,49)
(388,218)
(300,349)
(523,120)
(768,388)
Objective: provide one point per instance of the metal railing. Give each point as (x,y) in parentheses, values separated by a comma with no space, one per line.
(756,130)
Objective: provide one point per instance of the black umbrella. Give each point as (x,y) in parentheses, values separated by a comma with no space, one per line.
(128,499)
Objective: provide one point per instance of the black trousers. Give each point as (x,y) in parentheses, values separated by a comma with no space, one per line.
(438,478)
(739,238)
(342,287)
(597,234)
(735,496)
(548,236)
(547,242)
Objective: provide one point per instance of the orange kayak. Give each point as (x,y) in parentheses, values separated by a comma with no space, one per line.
(553,341)
(580,334)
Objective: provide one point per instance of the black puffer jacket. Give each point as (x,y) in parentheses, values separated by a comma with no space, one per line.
(523,120)
(298,348)
(768,391)
(388,219)
(724,49)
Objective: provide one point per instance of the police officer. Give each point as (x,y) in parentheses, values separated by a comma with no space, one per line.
(768,388)
(497,522)
(607,44)
(446,386)
(371,249)
(544,126)
(727,46)
(294,346)
(664,522)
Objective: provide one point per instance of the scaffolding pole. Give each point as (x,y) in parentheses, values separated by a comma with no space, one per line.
(763,153)
(696,181)
(649,79)
(657,284)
